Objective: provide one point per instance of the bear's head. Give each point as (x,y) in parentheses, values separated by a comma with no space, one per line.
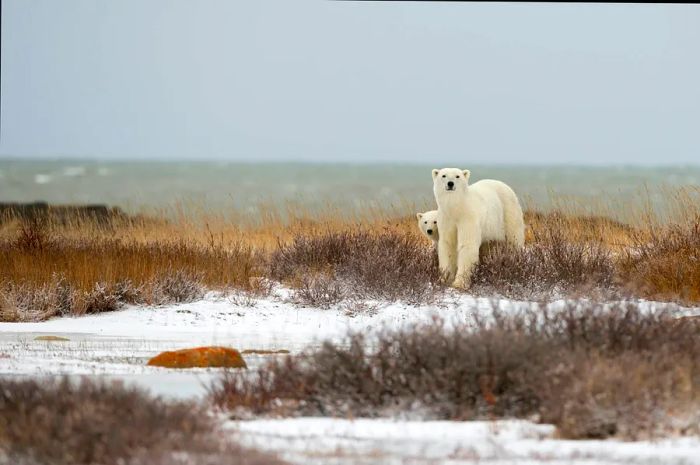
(427,223)
(450,180)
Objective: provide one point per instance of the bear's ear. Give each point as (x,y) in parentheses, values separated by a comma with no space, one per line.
(466,175)
(435,173)
(419,215)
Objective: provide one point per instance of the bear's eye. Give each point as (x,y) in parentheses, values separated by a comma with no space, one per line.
(434,222)
(444,175)
(426,222)
(457,177)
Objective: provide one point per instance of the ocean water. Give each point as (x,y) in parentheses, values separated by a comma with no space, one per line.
(225,186)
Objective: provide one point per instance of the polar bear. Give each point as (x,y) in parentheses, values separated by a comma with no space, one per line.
(469,215)
(427,223)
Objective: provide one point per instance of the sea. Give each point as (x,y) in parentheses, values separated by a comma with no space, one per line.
(220,187)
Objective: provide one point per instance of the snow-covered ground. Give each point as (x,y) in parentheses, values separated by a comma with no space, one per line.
(325,441)
(117,346)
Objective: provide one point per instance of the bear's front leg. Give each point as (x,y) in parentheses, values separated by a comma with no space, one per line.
(447,259)
(469,241)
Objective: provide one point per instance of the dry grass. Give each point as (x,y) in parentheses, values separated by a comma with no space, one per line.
(44,272)
(593,370)
(665,264)
(64,423)
(77,265)
(614,234)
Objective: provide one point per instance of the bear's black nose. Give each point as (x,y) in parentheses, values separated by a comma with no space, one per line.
(429,231)
(450,184)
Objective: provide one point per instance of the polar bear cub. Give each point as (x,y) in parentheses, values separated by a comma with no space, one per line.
(427,223)
(469,215)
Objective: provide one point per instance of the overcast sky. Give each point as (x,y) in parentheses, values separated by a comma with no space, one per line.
(346,81)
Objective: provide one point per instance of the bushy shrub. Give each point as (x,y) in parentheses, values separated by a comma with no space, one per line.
(385,265)
(554,364)
(88,423)
(548,266)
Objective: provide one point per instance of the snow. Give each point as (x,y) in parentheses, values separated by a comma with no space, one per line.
(379,441)
(117,345)
(271,321)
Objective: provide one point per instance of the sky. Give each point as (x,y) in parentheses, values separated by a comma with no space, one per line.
(351,81)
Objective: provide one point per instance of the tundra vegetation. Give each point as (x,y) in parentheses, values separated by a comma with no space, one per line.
(69,423)
(600,366)
(72,265)
(594,370)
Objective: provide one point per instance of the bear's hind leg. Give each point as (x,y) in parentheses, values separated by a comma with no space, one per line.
(514,224)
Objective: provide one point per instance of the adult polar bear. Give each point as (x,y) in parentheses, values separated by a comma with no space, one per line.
(469,215)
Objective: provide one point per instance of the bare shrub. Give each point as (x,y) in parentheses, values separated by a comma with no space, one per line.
(64,423)
(550,265)
(319,290)
(100,299)
(29,303)
(259,287)
(58,298)
(628,395)
(126,292)
(177,286)
(393,266)
(523,364)
(385,265)
(310,253)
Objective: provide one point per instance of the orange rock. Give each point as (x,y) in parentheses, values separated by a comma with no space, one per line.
(199,357)
(51,338)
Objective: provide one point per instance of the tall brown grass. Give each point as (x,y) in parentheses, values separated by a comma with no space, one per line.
(48,269)
(665,263)
(78,265)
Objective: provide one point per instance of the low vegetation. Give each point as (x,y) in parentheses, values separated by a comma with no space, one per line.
(385,265)
(44,271)
(594,370)
(89,423)
(80,265)
(665,264)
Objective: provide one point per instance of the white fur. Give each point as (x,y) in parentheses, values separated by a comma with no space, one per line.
(427,223)
(470,215)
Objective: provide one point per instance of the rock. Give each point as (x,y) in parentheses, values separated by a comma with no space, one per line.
(264,352)
(199,357)
(51,338)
